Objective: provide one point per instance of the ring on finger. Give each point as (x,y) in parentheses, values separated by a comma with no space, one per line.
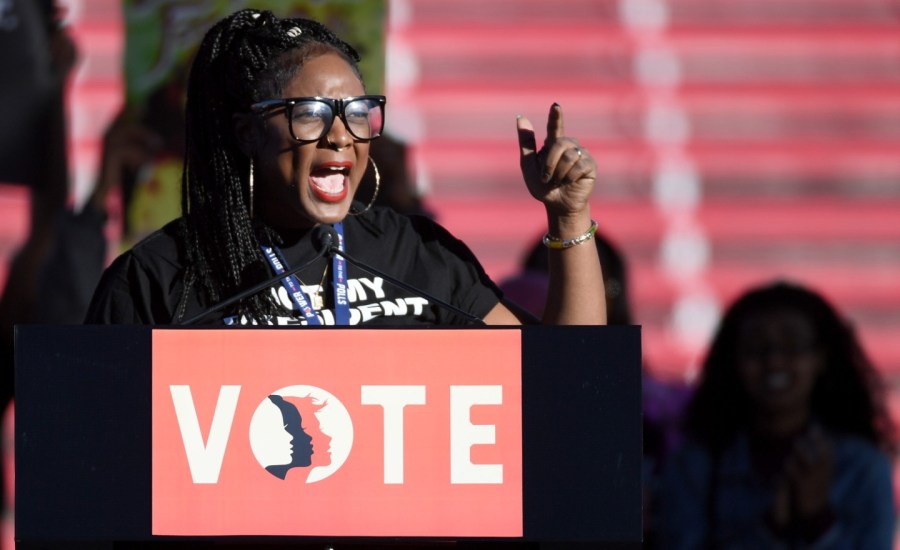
(578,151)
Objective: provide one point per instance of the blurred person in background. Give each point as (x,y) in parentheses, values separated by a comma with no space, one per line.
(51,277)
(662,402)
(398,187)
(36,59)
(789,445)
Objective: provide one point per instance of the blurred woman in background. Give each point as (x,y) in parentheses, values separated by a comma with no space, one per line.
(790,443)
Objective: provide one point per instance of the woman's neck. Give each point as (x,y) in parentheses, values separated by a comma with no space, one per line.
(780,425)
(290,235)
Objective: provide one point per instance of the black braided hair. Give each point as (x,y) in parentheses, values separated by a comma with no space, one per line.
(245,58)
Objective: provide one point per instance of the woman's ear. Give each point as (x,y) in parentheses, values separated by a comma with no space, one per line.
(246,131)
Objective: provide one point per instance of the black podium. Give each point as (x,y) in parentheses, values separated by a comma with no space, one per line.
(85,434)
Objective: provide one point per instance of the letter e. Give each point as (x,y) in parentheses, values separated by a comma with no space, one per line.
(464,434)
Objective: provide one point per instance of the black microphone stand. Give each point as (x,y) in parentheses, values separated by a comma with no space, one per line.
(326,237)
(323,237)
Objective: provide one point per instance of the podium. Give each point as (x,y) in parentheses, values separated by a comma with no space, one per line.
(135,434)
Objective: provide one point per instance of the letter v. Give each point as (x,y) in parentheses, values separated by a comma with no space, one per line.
(205,460)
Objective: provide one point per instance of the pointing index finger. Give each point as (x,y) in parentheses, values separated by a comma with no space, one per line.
(555,127)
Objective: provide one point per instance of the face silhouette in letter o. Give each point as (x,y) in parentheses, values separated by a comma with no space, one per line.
(301,429)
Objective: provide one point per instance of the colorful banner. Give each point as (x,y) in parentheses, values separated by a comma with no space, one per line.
(414,433)
(161,35)
(160,39)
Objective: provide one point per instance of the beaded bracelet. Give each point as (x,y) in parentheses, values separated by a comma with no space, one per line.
(558,244)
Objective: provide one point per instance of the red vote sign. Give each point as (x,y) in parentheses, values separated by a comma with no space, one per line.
(401,432)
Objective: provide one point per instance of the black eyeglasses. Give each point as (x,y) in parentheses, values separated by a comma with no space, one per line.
(311,118)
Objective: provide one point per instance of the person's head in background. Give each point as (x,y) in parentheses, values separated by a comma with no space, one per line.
(782,358)
(238,126)
(398,186)
(37,55)
(528,288)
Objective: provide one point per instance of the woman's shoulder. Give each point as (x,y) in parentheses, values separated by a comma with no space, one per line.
(156,257)
(387,221)
(141,285)
(162,247)
(863,476)
(860,451)
(385,225)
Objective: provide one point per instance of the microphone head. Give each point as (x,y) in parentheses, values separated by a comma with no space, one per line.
(324,238)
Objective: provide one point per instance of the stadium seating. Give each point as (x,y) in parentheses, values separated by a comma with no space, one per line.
(738,142)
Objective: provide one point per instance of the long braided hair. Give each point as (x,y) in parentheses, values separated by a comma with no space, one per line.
(245,58)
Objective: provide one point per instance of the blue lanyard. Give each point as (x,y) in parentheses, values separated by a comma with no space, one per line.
(299,298)
(341,302)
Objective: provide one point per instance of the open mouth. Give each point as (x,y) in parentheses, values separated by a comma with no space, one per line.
(329,182)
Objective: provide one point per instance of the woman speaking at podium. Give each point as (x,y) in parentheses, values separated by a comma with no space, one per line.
(278,127)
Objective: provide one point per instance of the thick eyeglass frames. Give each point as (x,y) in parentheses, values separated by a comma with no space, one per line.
(310,118)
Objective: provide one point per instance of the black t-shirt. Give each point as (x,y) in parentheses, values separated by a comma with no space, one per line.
(145,284)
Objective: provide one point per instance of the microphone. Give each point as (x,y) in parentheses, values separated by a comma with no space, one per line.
(324,239)
(397,282)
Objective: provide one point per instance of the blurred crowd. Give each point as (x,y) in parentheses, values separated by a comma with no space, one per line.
(782,441)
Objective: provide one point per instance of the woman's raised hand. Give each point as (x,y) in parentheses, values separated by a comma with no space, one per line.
(561,174)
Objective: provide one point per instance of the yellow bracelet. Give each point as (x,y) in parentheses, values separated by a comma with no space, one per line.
(558,244)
